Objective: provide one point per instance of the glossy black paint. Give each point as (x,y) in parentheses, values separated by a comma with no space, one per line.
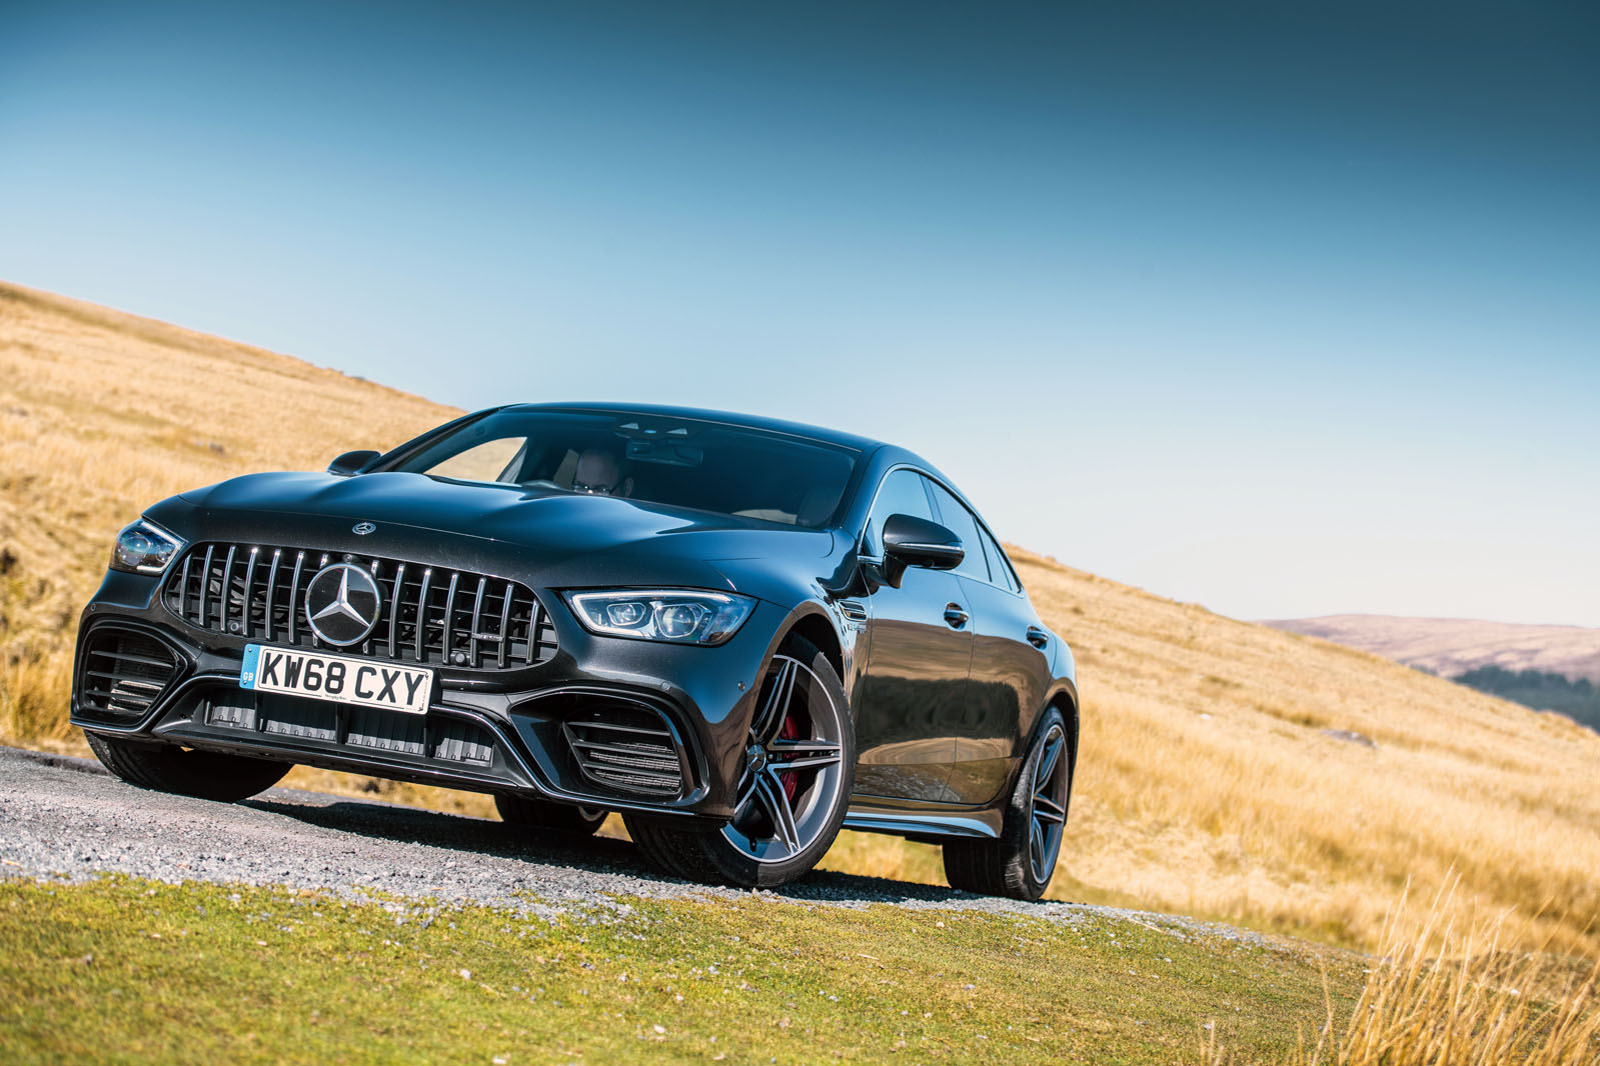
(947,673)
(917,542)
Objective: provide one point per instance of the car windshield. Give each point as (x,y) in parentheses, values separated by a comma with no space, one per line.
(708,466)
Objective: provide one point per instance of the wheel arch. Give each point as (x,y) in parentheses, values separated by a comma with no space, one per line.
(815,626)
(1063,696)
(1065,700)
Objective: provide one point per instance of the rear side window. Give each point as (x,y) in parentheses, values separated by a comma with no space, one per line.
(998,565)
(954,515)
(902,492)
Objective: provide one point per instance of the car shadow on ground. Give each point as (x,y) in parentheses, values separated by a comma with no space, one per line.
(600,855)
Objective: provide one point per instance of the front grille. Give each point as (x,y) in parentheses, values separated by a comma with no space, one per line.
(121,673)
(627,750)
(429,615)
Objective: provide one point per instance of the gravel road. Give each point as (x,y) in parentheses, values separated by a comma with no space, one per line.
(67,818)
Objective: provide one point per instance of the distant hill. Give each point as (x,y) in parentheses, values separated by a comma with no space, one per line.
(1228,770)
(1450,647)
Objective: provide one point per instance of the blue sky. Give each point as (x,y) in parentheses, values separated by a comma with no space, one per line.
(1283,311)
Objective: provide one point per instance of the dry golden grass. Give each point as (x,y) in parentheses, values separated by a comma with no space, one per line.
(1206,781)
(102,413)
(1439,994)
(1478,1004)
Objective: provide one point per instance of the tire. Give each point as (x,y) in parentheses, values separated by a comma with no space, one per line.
(1020,863)
(794,786)
(526,814)
(211,775)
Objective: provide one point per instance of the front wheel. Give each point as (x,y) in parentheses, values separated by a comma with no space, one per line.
(793,791)
(1019,864)
(211,775)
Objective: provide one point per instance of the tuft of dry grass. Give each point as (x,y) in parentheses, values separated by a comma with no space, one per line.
(1210,780)
(1438,995)
(1486,1006)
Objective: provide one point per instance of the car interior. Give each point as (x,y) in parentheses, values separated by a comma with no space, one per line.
(740,473)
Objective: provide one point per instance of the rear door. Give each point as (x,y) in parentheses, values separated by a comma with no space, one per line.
(911,698)
(1009,672)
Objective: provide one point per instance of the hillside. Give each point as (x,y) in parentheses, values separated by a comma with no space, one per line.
(1210,780)
(1450,647)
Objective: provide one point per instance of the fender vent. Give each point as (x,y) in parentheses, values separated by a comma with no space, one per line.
(627,751)
(121,673)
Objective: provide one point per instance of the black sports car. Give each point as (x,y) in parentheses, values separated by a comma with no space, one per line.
(739,633)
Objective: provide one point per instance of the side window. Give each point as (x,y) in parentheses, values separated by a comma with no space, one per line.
(954,515)
(999,566)
(902,492)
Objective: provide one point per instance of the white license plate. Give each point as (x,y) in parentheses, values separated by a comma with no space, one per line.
(334,677)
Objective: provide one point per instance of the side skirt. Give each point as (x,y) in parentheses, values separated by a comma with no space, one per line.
(925,825)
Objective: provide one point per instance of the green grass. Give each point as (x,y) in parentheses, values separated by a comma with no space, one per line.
(120,970)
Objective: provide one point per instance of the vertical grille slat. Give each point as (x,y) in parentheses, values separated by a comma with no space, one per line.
(183,586)
(225,592)
(450,616)
(477,622)
(205,587)
(531,647)
(294,599)
(272,586)
(258,592)
(249,590)
(422,611)
(505,624)
(394,608)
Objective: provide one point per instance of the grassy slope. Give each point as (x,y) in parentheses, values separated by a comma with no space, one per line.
(102,413)
(130,971)
(1206,782)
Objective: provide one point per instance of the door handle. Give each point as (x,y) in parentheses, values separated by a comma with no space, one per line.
(954,616)
(1038,637)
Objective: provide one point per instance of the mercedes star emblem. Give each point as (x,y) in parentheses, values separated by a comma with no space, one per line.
(363,528)
(342,604)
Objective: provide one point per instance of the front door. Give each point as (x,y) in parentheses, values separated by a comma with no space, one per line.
(911,698)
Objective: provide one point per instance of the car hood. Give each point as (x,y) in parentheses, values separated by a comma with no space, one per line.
(553,528)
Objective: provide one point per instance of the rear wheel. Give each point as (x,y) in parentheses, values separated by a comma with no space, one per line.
(793,790)
(527,813)
(209,775)
(1019,864)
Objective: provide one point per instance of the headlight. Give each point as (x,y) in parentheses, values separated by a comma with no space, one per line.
(676,615)
(144,548)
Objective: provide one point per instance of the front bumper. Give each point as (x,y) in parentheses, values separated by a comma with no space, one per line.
(607,722)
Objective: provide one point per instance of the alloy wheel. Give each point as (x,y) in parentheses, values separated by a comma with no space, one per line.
(1047,808)
(792,767)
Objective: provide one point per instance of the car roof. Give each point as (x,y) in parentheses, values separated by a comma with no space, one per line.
(772,425)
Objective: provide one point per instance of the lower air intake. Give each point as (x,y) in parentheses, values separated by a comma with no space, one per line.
(122,673)
(627,750)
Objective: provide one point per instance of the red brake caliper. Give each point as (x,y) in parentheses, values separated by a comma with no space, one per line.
(790,778)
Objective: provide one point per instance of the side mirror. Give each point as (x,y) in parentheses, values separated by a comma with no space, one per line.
(910,541)
(351,463)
